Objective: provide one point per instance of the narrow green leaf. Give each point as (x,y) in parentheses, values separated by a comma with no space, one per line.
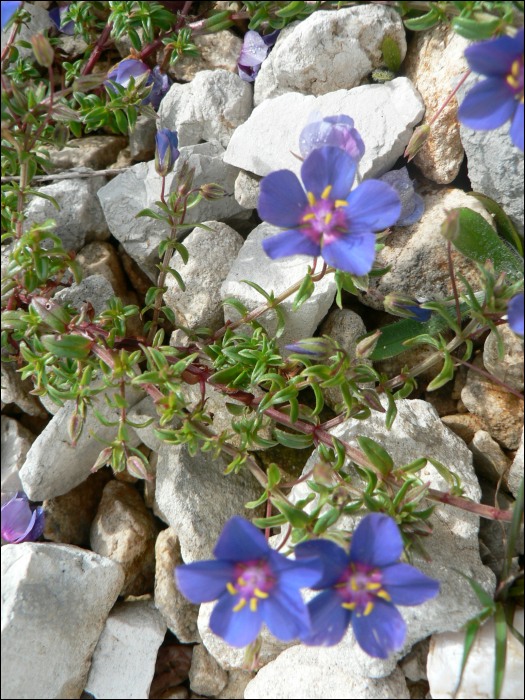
(376,454)
(446,374)
(36,193)
(72,346)
(258,502)
(298,442)
(504,224)
(391,54)
(483,597)
(258,288)
(500,641)
(418,24)
(442,470)
(305,292)
(274,476)
(272,521)
(471,629)
(295,516)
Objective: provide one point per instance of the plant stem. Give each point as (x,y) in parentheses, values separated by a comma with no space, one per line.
(99,47)
(150,48)
(453,281)
(489,376)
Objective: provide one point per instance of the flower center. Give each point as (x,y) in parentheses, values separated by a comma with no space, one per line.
(359,587)
(515,78)
(253,581)
(324,219)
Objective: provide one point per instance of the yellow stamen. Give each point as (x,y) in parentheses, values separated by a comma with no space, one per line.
(241,581)
(231,588)
(240,605)
(515,68)
(308,217)
(384,595)
(369,608)
(341,203)
(348,606)
(340,585)
(328,218)
(259,593)
(311,198)
(326,192)
(253,604)
(352,566)
(372,586)
(511,80)
(353,584)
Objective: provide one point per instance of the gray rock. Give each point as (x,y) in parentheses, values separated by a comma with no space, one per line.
(56,599)
(96,152)
(493,534)
(16,390)
(179,613)
(95,289)
(206,676)
(236,685)
(329,51)
(142,139)
(515,476)
(16,441)
(140,187)
(128,644)
(218,50)
(200,304)
(510,368)
(143,411)
(414,664)
(196,498)
(39,22)
(383,114)
(495,165)
(489,459)
(209,108)
(247,189)
(275,275)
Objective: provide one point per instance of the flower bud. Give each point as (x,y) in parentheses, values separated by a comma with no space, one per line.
(85,83)
(406,307)
(314,348)
(340,496)
(137,467)
(61,134)
(372,400)
(251,655)
(185,183)
(166,152)
(213,191)
(367,346)
(75,425)
(323,473)
(103,459)
(43,50)
(418,140)
(450,227)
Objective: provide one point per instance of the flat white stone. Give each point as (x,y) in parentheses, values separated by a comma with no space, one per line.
(16,441)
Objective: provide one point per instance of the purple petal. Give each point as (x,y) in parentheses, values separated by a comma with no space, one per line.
(8,10)
(36,527)
(351,253)
(376,541)
(241,541)
(203,581)
(487,105)
(128,68)
(254,49)
(17,519)
(328,618)
(495,58)
(328,166)
(282,200)
(381,632)
(327,132)
(372,206)
(415,215)
(285,613)
(516,129)
(161,84)
(295,574)
(407,586)
(246,73)
(271,38)
(334,560)
(236,628)
(291,242)
(515,309)
(55,15)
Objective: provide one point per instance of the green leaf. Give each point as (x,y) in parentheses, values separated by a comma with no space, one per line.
(291,9)
(418,24)
(258,502)
(274,476)
(179,279)
(305,292)
(376,454)
(272,521)
(503,223)
(280,321)
(225,376)
(258,288)
(36,193)
(446,374)
(326,521)
(152,214)
(483,597)
(295,516)
(74,347)
(474,29)
(103,420)
(442,470)
(296,441)
(500,640)
(471,629)
(391,54)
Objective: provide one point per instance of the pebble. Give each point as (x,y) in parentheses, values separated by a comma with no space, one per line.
(96,152)
(510,368)
(16,441)
(206,676)
(489,459)
(220,50)
(465,425)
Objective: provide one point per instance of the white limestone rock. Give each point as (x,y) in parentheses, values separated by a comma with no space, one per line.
(275,275)
(329,51)
(123,662)
(16,441)
(216,51)
(95,289)
(515,476)
(206,676)
(510,368)
(94,152)
(55,601)
(209,108)
(39,22)
(247,189)
(236,685)
(142,139)
(16,390)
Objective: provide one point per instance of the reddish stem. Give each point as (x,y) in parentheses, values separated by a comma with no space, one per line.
(99,47)
(453,281)
(150,48)
(489,376)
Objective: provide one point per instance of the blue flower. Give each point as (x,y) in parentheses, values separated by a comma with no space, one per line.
(8,10)
(363,588)
(20,522)
(161,84)
(254,50)
(166,151)
(253,584)
(331,131)
(406,306)
(55,15)
(515,314)
(125,70)
(327,219)
(412,205)
(494,101)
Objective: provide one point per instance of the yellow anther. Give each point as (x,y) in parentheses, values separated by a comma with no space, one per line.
(309,217)
(515,70)
(372,586)
(341,203)
(328,218)
(384,595)
(348,606)
(311,198)
(511,80)
(231,588)
(326,192)
(241,581)
(240,605)
(259,593)
(369,608)
(353,584)
(253,604)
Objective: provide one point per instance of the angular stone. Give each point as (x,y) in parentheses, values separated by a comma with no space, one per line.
(275,275)
(200,304)
(123,662)
(16,390)
(16,441)
(209,108)
(493,534)
(329,51)
(95,289)
(446,653)
(247,189)
(236,685)
(172,667)
(433,59)
(383,114)
(218,50)
(502,411)
(142,139)
(96,152)
(124,530)
(140,187)
(56,599)
(38,23)
(489,459)
(465,425)
(414,664)
(101,258)
(510,368)
(179,613)
(515,476)
(206,676)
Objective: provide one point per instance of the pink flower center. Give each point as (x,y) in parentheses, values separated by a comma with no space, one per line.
(253,581)
(324,220)
(359,588)
(515,78)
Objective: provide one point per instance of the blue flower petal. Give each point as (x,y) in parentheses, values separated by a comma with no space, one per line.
(416,214)
(296,574)
(495,58)
(407,586)
(351,253)
(282,200)
(516,129)
(376,541)
(203,581)
(17,518)
(130,67)
(236,628)
(291,242)
(9,7)
(241,541)
(328,166)
(487,105)
(515,309)
(328,618)
(37,526)
(333,559)
(373,206)
(254,49)
(381,632)
(285,613)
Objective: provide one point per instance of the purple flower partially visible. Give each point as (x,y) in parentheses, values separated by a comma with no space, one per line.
(412,205)
(161,84)
(331,131)
(363,588)
(327,219)
(166,151)
(254,50)
(126,69)
(314,348)
(406,306)
(253,584)
(9,7)
(515,310)
(492,102)
(20,522)
(55,15)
